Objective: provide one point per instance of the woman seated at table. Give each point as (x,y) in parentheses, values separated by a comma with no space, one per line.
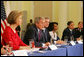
(10,36)
(54,38)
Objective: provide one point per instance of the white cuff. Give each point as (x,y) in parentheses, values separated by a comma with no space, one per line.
(43,45)
(55,42)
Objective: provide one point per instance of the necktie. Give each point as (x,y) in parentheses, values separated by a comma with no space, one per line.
(39,35)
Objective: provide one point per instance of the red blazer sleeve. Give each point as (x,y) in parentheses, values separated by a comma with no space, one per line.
(21,43)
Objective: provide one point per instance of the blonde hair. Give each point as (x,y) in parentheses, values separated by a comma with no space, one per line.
(13,16)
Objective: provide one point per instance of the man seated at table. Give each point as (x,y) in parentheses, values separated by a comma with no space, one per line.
(78,32)
(35,32)
(45,30)
(67,33)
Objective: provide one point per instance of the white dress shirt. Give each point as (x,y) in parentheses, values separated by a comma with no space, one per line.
(53,35)
(43,44)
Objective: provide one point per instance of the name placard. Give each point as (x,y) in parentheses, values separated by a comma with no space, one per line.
(72,43)
(53,47)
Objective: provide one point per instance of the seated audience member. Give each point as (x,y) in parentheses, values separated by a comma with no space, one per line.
(54,36)
(10,36)
(29,24)
(67,33)
(78,32)
(35,32)
(45,30)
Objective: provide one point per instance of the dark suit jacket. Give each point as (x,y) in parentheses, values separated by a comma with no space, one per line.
(67,33)
(32,33)
(47,35)
(77,33)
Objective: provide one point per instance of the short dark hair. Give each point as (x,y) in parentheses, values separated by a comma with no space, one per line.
(51,26)
(69,22)
(30,20)
(55,23)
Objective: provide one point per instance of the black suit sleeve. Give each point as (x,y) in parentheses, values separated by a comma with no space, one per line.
(48,36)
(28,35)
(76,33)
(66,33)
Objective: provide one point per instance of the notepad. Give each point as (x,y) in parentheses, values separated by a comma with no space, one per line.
(72,43)
(80,42)
(20,53)
(53,47)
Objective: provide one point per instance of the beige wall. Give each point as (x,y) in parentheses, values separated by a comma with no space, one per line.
(74,11)
(59,11)
(43,8)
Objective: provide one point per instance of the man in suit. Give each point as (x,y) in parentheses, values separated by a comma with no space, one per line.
(45,30)
(35,32)
(67,33)
(77,32)
(29,24)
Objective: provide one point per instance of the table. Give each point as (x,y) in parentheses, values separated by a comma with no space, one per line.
(58,52)
(66,50)
(76,50)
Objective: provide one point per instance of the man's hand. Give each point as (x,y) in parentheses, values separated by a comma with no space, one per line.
(3,50)
(60,42)
(47,44)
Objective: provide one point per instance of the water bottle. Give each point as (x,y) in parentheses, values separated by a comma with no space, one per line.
(31,43)
(66,39)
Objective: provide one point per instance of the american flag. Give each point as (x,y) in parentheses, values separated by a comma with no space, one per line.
(3,19)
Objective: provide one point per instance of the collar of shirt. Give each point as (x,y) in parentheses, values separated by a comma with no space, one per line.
(70,29)
(38,30)
(44,29)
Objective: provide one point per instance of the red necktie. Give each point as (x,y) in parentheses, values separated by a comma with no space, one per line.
(39,35)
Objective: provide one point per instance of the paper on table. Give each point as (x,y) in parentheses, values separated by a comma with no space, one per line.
(80,42)
(53,47)
(42,51)
(20,53)
(72,42)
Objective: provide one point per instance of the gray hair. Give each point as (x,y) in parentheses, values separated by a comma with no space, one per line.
(47,18)
(37,19)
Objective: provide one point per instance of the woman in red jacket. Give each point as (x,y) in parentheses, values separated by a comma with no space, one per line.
(10,36)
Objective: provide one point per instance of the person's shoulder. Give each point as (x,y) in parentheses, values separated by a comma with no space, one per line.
(7,31)
(66,29)
(7,28)
(32,27)
(47,30)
